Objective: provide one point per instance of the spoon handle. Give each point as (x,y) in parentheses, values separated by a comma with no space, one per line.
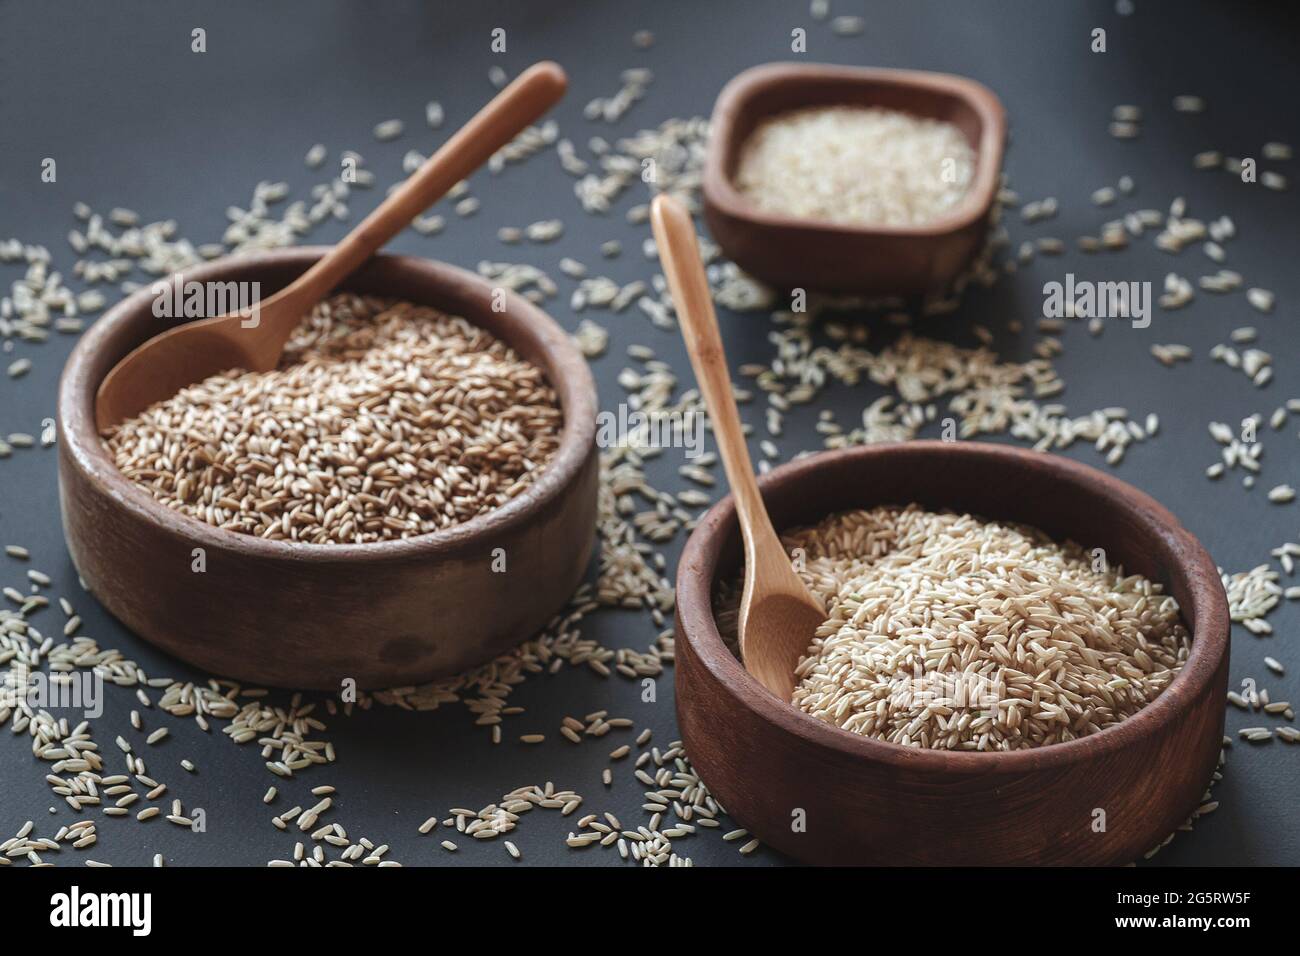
(680,254)
(531,94)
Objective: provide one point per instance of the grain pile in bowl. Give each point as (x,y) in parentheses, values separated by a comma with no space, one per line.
(953,633)
(383,420)
(856,165)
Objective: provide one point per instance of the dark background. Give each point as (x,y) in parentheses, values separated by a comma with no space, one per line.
(112,91)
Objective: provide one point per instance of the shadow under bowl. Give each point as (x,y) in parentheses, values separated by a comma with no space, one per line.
(1102,799)
(310,616)
(790,252)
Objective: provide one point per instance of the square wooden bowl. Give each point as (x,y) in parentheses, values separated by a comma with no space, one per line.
(794,252)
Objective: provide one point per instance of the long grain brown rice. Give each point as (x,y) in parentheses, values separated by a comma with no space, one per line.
(384,420)
(948,632)
(856,164)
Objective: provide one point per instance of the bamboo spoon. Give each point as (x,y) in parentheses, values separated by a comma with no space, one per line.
(778,616)
(189,353)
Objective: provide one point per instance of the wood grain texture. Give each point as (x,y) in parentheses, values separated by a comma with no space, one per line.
(871,802)
(791,252)
(309,616)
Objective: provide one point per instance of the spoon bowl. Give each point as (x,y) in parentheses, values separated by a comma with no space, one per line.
(181,356)
(793,619)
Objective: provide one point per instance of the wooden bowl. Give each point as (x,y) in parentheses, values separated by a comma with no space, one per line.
(867,801)
(794,252)
(309,615)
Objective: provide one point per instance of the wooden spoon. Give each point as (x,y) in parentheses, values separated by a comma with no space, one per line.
(189,353)
(778,616)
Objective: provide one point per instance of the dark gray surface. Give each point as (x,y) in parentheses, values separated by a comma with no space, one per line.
(135,119)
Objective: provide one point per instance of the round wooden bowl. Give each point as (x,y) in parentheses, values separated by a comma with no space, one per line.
(1102,799)
(307,615)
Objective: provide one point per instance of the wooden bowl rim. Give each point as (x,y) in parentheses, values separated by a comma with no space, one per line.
(1210,637)
(568,373)
(719,192)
